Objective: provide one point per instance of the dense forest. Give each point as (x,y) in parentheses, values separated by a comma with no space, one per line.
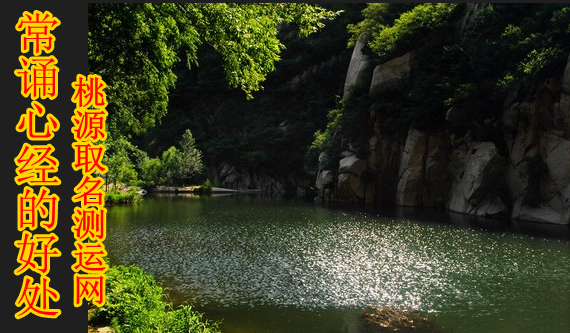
(176,70)
(271,132)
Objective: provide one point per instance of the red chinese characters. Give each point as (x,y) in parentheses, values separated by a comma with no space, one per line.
(37,29)
(31,247)
(90,218)
(90,287)
(31,205)
(89,92)
(90,224)
(36,166)
(88,158)
(28,123)
(89,125)
(34,298)
(39,77)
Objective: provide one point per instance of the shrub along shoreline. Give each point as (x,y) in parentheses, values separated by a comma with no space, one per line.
(135,302)
(129,196)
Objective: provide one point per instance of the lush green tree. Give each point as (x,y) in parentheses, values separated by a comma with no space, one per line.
(376,17)
(118,159)
(174,166)
(179,166)
(271,132)
(171,166)
(150,170)
(389,28)
(134,47)
(191,156)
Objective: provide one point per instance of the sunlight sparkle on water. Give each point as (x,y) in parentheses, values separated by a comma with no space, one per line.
(356,260)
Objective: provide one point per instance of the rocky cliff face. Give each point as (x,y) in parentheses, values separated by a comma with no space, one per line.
(523,172)
(229,176)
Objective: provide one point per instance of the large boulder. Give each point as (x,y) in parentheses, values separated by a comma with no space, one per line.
(351,187)
(241,179)
(537,136)
(481,172)
(323,160)
(557,159)
(566,78)
(411,181)
(550,212)
(454,116)
(234,178)
(475,192)
(267,184)
(324,179)
(391,75)
(384,162)
(561,110)
(549,200)
(424,176)
(393,319)
(437,176)
(351,164)
(357,74)
(522,139)
(516,115)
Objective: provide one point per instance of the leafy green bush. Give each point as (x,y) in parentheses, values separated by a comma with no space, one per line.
(175,166)
(119,159)
(411,26)
(346,123)
(171,162)
(328,142)
(207,185)
(130,196)
(406,29)
(377,16)
(150,170)
(136,303)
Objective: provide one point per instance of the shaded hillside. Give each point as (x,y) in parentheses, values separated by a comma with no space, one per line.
(263,140)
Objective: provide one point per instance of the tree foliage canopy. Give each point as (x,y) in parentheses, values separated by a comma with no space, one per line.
(134,47)
(388,28)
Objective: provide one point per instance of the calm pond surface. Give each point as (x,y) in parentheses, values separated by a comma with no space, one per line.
(289,267)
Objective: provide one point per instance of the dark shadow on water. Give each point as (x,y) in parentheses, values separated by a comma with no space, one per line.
(423,214)
(443,216)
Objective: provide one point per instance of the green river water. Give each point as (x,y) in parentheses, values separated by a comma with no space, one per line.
(279,266)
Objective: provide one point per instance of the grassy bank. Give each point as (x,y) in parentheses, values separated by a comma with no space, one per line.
(119,196)
(136,303)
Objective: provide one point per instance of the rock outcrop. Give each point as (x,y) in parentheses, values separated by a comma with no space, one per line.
(357,73)
(240,179)
(473,192)
(391,75)
(521,171)
(411,180)
(351,185)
